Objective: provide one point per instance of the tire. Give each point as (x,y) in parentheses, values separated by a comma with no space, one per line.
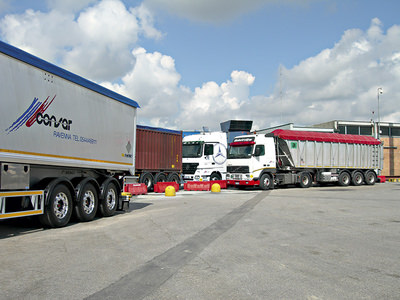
(305,180)
(86,207)
(357,178)
(148,179)
(59,207)
(108,205)
(344,179)
(215,176)
(173,177)
(266,182)
(370,178)
(160,177)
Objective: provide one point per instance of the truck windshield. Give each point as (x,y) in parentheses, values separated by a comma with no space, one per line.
(240,151)
(192,149)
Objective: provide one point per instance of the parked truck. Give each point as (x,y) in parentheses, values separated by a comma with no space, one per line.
(205,153)
(158,155)
(298,157)
(66,144)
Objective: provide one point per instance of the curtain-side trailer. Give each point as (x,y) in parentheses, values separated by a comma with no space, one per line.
(66,143)
(300,157)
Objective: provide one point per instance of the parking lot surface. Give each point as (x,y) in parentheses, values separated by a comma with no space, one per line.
(326,242)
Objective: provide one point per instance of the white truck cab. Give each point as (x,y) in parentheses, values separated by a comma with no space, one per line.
(248,157)
(204,156)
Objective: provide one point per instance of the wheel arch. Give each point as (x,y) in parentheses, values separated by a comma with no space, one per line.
(269,172)
(49,184)
(104,184)
(216,173)
(80,182)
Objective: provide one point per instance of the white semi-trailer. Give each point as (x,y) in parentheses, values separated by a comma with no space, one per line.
(300,157)
(66,143)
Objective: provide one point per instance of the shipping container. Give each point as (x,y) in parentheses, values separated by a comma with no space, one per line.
(158,155)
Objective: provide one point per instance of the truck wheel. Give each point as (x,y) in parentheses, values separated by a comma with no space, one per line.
(109,204)
(86,207)
(266,182)
(215,176)
(148,180)
(173,177)
(305,180)
(357,178)
(344,179)
(370,178)
(58,210)
(160,177)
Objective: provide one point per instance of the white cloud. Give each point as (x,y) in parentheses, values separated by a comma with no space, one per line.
(70,5)
(154,83)
(341,83)
(338,83)
(95,43)
(4,5)
(214,11)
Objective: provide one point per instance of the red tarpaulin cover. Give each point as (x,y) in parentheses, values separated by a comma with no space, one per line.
(325,137)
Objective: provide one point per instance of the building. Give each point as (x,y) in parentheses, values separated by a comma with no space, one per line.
(291,126)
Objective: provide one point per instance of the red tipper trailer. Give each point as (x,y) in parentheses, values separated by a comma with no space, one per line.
(158,155)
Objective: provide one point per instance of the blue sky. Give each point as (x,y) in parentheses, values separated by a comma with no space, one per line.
(192,64)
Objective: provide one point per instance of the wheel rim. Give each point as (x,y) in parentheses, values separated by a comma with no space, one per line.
(358,178)
(61,205)
(266,181)
(147,182)
(88,202)
(346,179)
(370,178)
(111,199)
(305,180)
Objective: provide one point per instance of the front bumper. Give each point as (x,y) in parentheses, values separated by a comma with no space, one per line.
(243,182)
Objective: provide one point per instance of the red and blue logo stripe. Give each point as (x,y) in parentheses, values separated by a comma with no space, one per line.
(29,116)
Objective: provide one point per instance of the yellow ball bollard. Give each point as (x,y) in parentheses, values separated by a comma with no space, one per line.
(170,191)
(215,188)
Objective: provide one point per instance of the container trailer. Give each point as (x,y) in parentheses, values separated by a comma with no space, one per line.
(158,155)
(66,143)
(299,157)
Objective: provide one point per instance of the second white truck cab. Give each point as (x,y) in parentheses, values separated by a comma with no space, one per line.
(250,156)
(204,156)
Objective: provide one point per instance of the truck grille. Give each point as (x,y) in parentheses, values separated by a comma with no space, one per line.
(189,168)
(238,169)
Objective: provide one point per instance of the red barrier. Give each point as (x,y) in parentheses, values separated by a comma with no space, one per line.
(381,179)
(222,183)
(160,187)
(135,188)
(203,185)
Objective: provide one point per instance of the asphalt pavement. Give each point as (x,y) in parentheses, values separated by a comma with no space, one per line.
(326,242)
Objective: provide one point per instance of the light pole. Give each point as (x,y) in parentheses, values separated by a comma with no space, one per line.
(380,91)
